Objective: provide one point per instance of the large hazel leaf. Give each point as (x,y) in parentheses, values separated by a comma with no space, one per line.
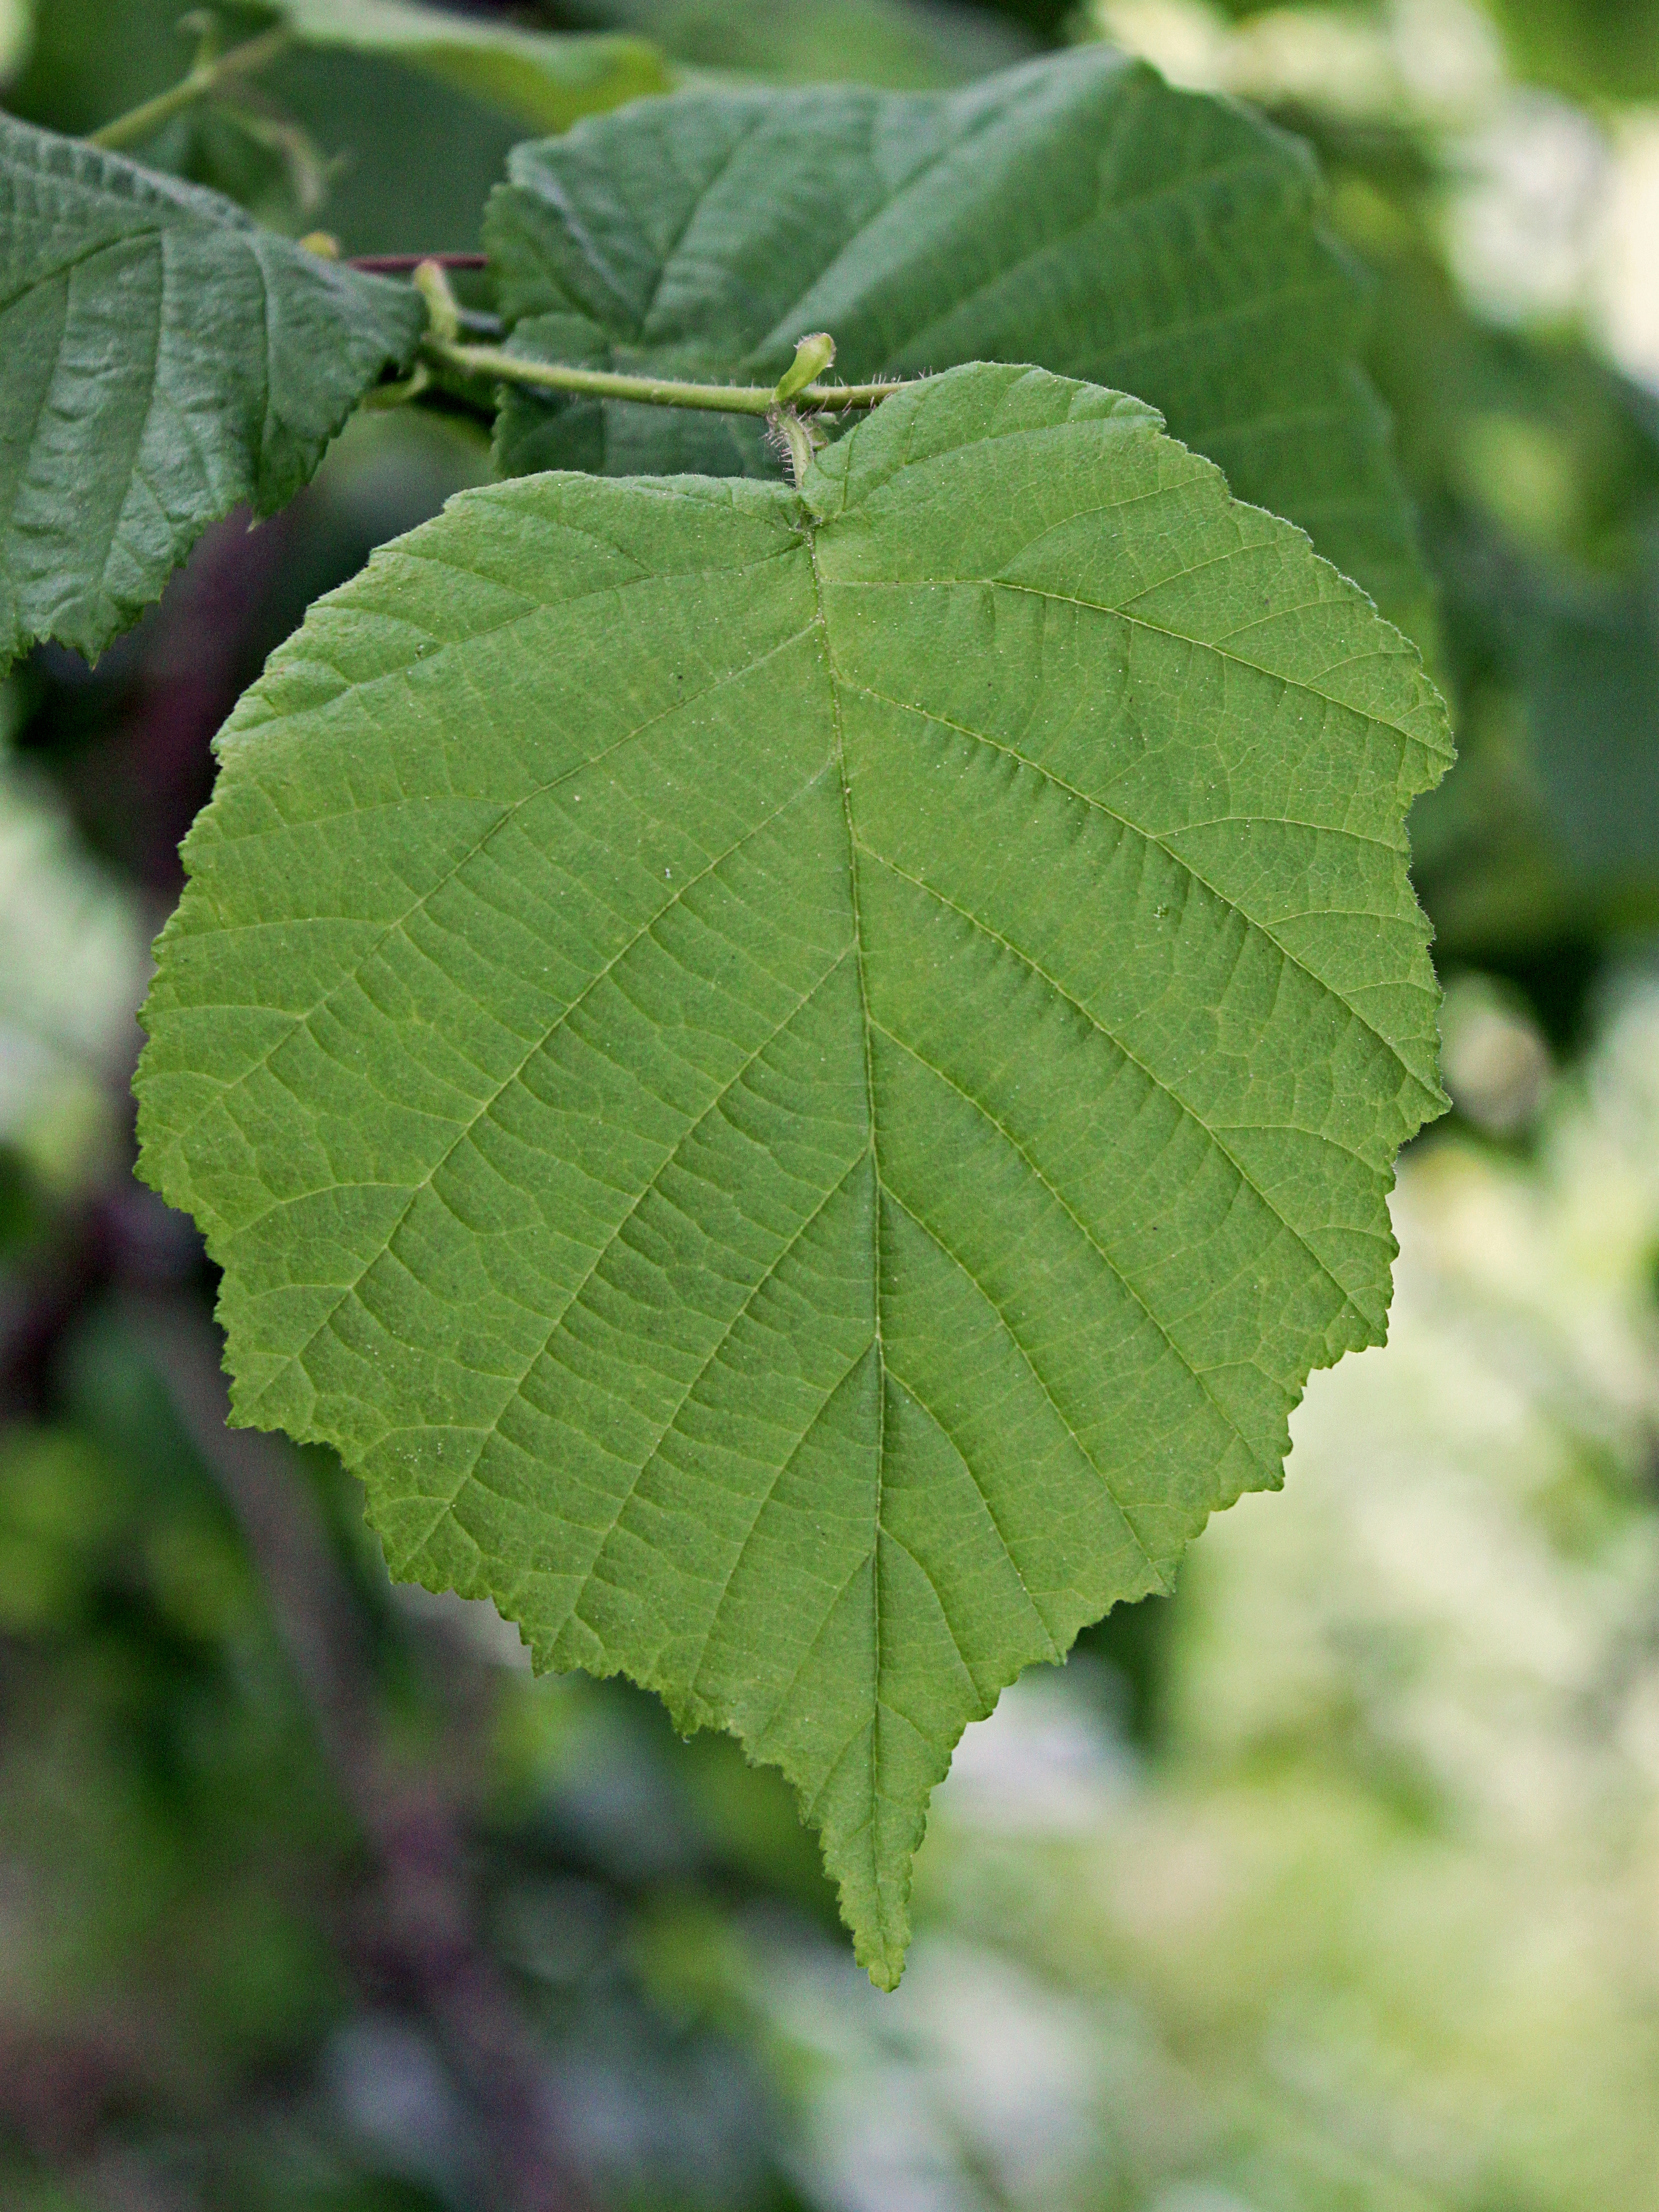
(798,1081)
(1075,212)
(165,362)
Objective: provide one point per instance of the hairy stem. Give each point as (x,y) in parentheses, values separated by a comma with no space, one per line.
(648,391)
(208,76)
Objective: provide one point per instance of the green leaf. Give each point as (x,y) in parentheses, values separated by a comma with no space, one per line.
(165,362)
(887,42)
(1075,212)
(546,79)
(797,1082)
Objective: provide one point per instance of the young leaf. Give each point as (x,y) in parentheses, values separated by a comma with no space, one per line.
(1074,212)
(546,79)
(798,1081)
(165,361)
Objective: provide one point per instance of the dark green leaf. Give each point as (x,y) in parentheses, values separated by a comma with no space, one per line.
(1076,213)
(166,361)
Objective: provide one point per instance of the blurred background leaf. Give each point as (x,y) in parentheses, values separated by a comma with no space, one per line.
(906,45)
(363,98)
(545,79)
(1593,49)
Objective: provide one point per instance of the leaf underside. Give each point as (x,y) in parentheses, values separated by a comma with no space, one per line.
(1076,212)
(797,1082)
(166,361)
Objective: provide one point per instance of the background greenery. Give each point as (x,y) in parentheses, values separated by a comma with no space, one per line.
(1329,1885)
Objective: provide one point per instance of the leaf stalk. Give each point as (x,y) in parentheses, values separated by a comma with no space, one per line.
(796,440)
(648,391)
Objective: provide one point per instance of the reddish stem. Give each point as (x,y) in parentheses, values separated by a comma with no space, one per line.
(401,264)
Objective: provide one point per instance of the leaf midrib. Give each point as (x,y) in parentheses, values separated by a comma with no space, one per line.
(809,526)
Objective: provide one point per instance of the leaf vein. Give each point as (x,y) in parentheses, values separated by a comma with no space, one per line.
(1246,1180)
(1187,868)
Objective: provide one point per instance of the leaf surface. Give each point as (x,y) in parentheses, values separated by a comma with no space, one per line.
(1074,212)
(797,1082)
(165,361)
(546,78)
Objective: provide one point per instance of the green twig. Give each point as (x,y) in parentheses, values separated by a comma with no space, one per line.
(649,391)
(207,77)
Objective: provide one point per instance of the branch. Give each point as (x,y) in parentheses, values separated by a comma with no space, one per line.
(405,265)
(209,75)
(443,344)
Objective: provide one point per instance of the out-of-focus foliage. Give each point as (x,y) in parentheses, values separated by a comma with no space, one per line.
(546,79)
(906,44)
(329,132)
(1594,49)
(16,33)
(74,959)
(332,127)
(192,1915)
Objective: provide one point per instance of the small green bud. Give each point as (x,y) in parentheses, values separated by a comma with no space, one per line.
(813,355)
